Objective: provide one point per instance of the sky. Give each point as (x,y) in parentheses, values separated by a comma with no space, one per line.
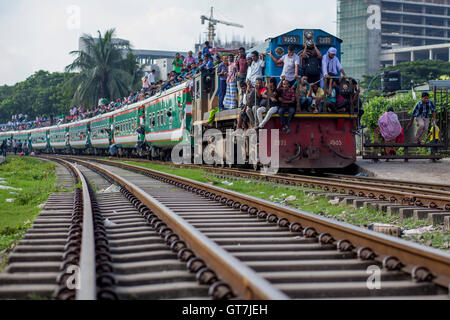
(39,35)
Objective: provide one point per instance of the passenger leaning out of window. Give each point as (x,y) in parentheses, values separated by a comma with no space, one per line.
(287,99)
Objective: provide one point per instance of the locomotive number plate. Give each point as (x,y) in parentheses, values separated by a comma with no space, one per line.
(290,40)
(336,142)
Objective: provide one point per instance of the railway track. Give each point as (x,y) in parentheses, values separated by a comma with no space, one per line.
(421,195)
(89,246)
(170,237)
(279,252)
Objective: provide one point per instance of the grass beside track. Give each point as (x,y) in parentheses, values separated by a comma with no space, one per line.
(36,179)
(315,204)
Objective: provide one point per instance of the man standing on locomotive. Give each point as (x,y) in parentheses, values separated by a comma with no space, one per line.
(256,69)
(290,63)
(331,64)
(241,66)
(311,63)
(422,115)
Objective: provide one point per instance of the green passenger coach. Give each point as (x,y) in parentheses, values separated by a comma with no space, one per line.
(101,133)
(59,137)
(40,139)
(126,121)
(79,136)
(168,120)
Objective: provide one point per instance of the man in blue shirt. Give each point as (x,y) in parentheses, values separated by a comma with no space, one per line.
(422,115)
(206,49)
(209,63)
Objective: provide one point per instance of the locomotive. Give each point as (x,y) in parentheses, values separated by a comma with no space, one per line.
(152,128)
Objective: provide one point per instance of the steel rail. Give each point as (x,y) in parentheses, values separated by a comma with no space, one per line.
(412,256)
(437,186)
(244,280)
(87,275)
(387,184)
(433,188)
(403,186)
(362,189)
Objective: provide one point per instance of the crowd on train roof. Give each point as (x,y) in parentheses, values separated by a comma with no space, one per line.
(308,83)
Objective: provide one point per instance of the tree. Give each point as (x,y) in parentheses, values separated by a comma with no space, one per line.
(104,70)
(416,72)
(43,93)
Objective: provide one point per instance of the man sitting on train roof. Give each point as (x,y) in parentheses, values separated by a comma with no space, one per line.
(287,104)
(331,64)
(189,60)
(243,120)
(303,101)
(256,68)
(208,63)
(254,97)
(269,103)
(290,63)
(317,95)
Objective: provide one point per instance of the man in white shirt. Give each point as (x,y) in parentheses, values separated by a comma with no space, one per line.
(290,62)
(151,77)
(256,69)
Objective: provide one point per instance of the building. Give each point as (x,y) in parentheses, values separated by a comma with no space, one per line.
(145,57)
(235,43)
(378,33)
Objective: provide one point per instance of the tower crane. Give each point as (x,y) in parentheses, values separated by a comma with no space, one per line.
(213,22)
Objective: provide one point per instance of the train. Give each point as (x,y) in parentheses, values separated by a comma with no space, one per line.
(152,128)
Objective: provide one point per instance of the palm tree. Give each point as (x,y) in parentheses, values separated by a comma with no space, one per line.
(104,69)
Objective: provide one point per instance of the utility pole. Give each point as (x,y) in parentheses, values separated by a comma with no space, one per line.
(212,23)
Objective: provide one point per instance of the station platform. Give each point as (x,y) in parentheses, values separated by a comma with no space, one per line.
(414,170)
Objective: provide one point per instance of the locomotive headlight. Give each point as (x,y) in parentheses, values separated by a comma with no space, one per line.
(309,38)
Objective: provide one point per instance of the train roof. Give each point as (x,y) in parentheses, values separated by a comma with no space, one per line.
(184,85)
